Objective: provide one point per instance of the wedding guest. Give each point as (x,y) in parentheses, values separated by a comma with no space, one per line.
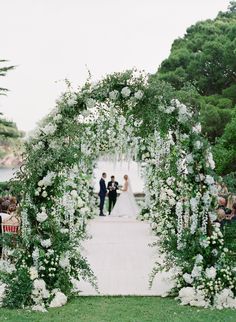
(222,204)
(221,217)
(233,214)
(4,211)
(102,193)
(112,187)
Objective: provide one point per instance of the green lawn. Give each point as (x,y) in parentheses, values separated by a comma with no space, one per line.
(121,309)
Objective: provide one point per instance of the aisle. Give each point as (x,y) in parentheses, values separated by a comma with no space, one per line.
(120,257)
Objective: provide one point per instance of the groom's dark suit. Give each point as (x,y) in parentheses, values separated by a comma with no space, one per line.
(102,195)
(112,187)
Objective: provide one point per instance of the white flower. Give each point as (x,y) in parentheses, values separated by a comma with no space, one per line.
(169,109)
(33,273)
(46,243)
(44,194)
(125,92)
(138,95)
(114,95)
(79,202)
(39,289)
(6,266)
(197,145)
(90,103)
(209,160)
(49,129)
(64,261)
(198,259)
(188,278)
(41,216)
(74,193)
(57,118)
(197,270)
(59,300)
(210,272)
(39,308)
(209,180)
(2,292)
(76,284)
(225,299)
(72,100)
(197,128)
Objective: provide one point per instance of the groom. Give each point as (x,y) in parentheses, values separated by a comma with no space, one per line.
(112,188)
(102,193)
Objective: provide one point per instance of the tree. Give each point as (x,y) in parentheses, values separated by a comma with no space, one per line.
(3,72)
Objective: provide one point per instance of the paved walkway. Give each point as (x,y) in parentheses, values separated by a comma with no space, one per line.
(120,257)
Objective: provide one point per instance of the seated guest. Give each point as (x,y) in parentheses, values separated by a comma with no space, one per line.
(222,205)
(221,217)
(4,210)
(233,213)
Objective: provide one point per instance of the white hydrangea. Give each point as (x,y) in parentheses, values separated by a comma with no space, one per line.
(49,129)
(113,95)
(138,95)
(225,299)
(209,180)
(46,243)
(210,272)
(59,299)
(125,92)
(188,278)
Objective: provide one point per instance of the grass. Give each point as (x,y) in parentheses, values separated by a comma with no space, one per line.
(121,309)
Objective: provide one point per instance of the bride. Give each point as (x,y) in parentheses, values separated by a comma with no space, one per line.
(126,205)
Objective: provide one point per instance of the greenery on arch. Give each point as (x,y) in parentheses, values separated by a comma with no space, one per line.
(122,114)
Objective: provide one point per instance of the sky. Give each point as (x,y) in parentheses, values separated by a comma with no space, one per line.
(50,40)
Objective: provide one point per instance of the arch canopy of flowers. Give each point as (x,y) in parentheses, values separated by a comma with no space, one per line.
(123,114)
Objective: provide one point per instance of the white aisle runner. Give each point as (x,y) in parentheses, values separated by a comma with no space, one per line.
(120,257)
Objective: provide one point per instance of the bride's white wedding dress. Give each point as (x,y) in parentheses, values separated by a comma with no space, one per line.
(126,205)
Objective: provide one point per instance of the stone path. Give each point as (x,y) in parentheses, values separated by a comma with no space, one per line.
(120,257)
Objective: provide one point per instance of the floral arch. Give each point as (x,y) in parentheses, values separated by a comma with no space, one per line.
(122,114)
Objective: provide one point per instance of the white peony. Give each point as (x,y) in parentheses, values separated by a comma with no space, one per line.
(210,272)
(41,216)
(59,299)
(188,278)
(125,92)
(113,95)
(138,95)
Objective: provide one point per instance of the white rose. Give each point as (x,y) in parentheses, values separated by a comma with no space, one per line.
(41,216)
(114,95)
(125,92)
(138,95)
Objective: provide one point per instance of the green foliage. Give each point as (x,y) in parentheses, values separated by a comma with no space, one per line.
(230,181)
(225,150)
(19,290)
(206,58)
